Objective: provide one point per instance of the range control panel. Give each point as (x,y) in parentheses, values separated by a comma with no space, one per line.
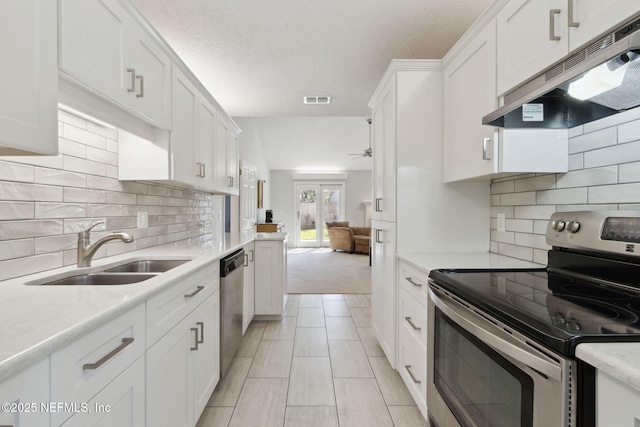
(602,231)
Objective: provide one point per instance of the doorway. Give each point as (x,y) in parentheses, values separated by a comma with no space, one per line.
(317,203)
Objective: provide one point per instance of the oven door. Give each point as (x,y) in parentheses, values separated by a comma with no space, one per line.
(482,373)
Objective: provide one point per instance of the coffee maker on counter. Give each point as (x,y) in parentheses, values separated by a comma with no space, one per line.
(268,216)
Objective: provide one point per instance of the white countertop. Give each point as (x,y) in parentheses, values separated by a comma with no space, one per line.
(431,261)
(620,360)
(36,320)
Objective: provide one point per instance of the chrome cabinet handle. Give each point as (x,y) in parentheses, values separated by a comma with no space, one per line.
(201,170)
(246,260)
(415,380)
(195,347)
(552,26)
(570,15)
(251,252)
(201,325)
(192,294)
(96,365)
(132,88)
(378,200)
(141,93)
(414,283)
(485,149)
(378,238)
(416,328)
(230,181)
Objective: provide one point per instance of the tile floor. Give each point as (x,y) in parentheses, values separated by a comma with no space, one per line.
(320,366)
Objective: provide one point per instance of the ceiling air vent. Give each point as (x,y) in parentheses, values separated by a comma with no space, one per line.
(317,100)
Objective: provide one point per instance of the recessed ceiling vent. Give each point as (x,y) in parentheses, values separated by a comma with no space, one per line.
(317,100)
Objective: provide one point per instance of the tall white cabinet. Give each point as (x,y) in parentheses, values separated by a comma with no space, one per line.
(417,212)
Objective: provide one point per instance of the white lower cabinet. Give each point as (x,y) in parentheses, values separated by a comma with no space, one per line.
(383,287)
(25,388)
(617,404)
(183,367)
(119,404)
(412,332)
(84,368)
(270,277)
(248,286)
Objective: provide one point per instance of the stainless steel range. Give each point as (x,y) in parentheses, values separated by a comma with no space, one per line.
(502,342)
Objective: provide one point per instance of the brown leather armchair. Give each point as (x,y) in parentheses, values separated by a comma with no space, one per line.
(348,239)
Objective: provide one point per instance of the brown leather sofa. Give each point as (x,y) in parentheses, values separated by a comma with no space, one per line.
(349,239)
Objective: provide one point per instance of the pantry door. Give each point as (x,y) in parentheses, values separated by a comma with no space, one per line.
(317,203)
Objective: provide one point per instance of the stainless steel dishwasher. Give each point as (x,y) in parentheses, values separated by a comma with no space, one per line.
(231,283)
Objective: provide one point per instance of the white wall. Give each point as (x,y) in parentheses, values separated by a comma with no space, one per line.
(357,190)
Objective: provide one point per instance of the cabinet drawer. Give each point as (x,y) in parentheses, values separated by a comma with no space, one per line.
(412,366)
(120,404)
(167,309)
(413,319)
(84,367)
(414,281)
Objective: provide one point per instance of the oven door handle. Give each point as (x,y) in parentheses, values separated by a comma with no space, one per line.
(499,344)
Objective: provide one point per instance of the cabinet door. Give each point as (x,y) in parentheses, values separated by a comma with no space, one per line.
(248,289)
(618,404)
(248,197)
(469,94)
(184,127)
(383,287)
(233,161)
(28,77)
(207,117)
(532,35)
(28,386)
(152,95)
(170,378)
(121,403)
(220,162)
(384,154)
(206,359)
(592,18)
(270,277)
(93,36)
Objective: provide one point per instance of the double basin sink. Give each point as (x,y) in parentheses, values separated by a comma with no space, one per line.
(124,274)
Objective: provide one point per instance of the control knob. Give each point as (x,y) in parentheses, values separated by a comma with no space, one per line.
(560,225)
(573,226)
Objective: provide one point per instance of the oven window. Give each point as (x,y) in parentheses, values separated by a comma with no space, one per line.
(476,382)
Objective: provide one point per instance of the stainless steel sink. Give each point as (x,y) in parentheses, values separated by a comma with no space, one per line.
(100,279)
(147,266)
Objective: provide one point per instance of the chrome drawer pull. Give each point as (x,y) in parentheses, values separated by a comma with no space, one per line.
(192,294)
(410,280)
(125,342)
(140,94)
(408,368)
(133,79)
(552,24)
(201,340)
(416,328)
(197,341)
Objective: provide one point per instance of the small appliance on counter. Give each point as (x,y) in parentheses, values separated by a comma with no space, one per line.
(269,216)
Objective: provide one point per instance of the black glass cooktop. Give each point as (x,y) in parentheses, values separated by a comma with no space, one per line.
(553,306)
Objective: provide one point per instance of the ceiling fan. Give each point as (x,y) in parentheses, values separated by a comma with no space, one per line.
(368,152)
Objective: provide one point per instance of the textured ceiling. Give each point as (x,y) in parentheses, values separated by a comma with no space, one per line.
(260,57)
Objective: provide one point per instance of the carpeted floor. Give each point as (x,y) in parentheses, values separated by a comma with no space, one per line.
(322,271)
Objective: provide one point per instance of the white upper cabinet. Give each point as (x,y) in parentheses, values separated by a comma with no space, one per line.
(591,18)
(226,159)
(28,77)
(184,132)
(383,111)
(106,50)
(532,34)
(469,94)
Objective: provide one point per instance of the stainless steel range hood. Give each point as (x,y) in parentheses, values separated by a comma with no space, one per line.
(597,81)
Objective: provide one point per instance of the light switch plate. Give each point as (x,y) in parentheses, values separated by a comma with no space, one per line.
(501,223)
(143,219)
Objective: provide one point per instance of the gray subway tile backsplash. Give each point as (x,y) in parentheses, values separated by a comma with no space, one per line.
(46,200)
(604,174)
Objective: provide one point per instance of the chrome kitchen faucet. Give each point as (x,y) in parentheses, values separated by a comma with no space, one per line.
(86,250)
